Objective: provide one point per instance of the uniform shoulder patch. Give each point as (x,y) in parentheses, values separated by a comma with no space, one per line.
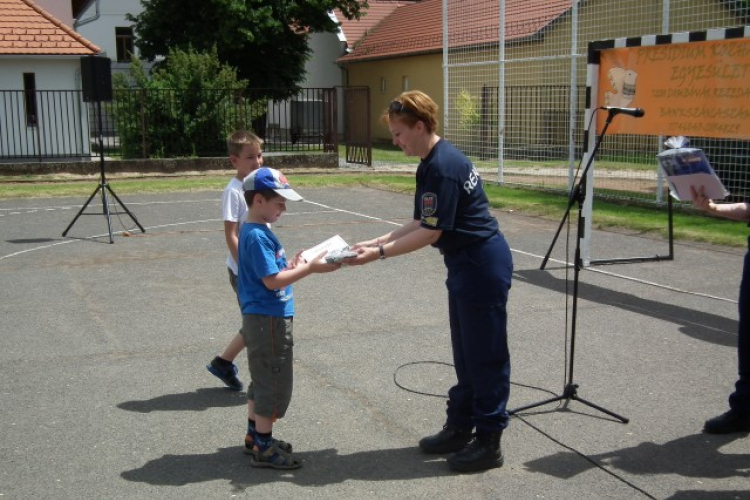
(429,204)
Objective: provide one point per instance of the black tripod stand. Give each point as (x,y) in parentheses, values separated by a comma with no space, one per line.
(103,187)
(577,195)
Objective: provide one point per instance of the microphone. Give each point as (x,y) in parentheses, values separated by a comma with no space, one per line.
(635,112)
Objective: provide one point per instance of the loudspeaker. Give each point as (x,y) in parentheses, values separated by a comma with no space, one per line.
(96,78)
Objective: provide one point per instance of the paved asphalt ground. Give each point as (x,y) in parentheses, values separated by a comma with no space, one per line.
(104,391)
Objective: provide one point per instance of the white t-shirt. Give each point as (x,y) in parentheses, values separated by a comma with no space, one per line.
(234,209)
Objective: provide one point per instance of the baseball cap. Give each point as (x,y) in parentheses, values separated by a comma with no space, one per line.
(266,178)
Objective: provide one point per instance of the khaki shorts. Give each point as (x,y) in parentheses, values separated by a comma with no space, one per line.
(270,345)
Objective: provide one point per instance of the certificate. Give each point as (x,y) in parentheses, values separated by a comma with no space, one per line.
(332,244)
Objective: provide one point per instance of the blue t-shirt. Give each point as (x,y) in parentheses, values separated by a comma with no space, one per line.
(260,254)
(450,196)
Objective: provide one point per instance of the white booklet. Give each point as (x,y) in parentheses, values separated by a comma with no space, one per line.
(332,244)
(685,167)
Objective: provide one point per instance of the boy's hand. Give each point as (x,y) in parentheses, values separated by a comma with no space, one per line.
(296,261)
(320,265)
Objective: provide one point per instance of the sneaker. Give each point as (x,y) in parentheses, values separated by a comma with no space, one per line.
(274,457)
(227,374)
(448,440)
(727,423)
(250,445)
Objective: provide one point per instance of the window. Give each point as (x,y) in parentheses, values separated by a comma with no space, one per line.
(124,42)
(404,83)
(29,95)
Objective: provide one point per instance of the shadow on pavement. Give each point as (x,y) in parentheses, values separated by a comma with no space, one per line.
(199,400)
(320,468)
(699,325)
(699,457)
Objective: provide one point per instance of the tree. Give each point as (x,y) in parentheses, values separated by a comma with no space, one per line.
(187,107)
(265,40)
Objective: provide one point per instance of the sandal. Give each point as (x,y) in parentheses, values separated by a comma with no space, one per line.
(275,458)
(250,444)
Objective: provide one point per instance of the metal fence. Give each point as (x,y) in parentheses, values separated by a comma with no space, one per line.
(164,123)
(43,124)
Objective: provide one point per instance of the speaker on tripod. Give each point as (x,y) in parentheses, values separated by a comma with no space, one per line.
(96,86)
(96,78)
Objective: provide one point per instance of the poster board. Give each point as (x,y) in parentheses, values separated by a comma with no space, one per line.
(690,84)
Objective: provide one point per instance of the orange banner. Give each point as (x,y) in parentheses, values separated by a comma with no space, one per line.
(696,89)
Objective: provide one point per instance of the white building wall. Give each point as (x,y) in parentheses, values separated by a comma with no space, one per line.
(321,71)
(99,28)
(52,73)
(62,127)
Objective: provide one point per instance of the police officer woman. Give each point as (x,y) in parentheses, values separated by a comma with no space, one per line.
(451,213)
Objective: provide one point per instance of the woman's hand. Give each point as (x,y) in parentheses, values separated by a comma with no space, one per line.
(364,244)
(365,254)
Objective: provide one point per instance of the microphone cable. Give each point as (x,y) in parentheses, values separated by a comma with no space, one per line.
(534,427)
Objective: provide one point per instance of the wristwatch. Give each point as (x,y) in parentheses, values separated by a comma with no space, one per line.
(381,250)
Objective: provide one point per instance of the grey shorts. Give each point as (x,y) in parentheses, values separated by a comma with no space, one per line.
(270,358)
(233,280)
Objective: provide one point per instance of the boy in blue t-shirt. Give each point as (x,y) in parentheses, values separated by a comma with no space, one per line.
(265,295)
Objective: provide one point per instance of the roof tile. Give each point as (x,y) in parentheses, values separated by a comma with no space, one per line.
(26,28)
(376,11)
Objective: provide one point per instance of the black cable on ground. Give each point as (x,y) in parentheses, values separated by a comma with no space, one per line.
(585,457)
(537,429)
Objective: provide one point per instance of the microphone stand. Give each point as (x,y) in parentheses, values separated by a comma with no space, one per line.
(570,392)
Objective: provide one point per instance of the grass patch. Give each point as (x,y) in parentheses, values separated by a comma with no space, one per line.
(687,226)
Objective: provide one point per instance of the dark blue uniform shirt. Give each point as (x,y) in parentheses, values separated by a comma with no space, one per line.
(450,197)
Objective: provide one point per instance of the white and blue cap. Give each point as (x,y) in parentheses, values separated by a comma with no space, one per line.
(266,178)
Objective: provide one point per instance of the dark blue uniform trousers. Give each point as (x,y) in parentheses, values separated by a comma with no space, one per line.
(479,279)
(739,400)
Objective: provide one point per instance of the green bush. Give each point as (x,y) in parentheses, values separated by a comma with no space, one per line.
(186,107)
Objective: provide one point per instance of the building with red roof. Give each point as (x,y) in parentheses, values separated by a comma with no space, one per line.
(39,53)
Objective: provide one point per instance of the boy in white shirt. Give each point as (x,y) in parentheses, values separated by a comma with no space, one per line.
(246,155)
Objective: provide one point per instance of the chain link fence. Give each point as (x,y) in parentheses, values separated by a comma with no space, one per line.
(518,107)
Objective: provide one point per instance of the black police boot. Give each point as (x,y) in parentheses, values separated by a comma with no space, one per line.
(450,439)
(727,423)
(482,453)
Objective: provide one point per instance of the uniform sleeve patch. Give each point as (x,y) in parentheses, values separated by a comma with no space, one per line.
(430,221)
(429,204)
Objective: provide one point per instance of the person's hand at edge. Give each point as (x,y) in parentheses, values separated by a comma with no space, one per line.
(700,200)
